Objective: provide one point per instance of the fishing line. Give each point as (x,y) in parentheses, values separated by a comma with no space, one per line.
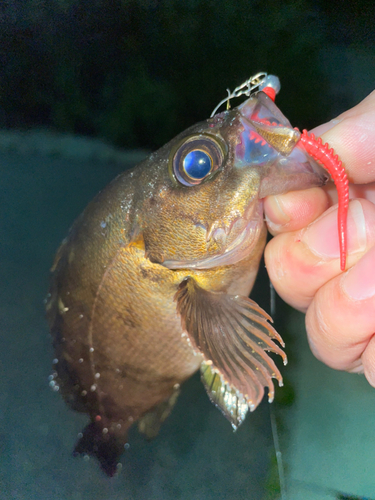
(275,434)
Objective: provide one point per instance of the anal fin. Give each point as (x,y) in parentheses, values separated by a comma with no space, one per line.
(150,423)
(232,404)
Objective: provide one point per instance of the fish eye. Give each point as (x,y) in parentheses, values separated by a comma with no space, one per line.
(197,164)
(196,159)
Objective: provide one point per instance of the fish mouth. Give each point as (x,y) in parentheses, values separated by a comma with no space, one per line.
(239,248)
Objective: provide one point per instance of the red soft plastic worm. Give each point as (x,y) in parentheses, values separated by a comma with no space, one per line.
(321,153)
(327,158)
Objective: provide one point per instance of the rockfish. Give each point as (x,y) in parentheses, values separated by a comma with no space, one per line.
(152,282)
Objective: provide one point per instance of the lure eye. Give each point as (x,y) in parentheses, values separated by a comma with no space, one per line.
(196,159)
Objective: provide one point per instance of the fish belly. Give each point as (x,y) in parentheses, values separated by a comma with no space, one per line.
(120,348)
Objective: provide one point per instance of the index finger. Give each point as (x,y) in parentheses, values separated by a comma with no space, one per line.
(352,136)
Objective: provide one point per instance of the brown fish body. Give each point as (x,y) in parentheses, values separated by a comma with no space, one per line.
(148,252)
(118,336)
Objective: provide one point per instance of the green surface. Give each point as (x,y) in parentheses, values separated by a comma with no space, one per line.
(330,431)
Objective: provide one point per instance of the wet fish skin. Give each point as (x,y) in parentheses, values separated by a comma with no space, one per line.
(147,241)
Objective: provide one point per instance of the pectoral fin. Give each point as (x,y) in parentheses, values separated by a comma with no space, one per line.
(233,335)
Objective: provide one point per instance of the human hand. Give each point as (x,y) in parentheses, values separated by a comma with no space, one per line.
(303,259)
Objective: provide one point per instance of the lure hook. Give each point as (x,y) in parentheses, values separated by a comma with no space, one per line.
(248,87)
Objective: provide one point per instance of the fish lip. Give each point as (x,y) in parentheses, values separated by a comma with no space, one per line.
(236,251)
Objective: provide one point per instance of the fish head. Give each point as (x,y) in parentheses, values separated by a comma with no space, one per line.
(200,196)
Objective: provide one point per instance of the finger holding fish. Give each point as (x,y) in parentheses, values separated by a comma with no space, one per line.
(294,210)
(301,262)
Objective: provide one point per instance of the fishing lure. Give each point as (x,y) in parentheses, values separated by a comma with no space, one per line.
(322,153)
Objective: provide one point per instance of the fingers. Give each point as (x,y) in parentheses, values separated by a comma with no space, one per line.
(341,319)
(352,136)
(299,263)
(303,262)
(297,209)
(294,210)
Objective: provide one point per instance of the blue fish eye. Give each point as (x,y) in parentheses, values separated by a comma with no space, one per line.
(196,159)
(197,164)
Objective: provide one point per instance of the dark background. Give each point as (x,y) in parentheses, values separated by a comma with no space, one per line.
(136,72)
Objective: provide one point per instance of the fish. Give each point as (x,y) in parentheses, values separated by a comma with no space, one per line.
(152,282)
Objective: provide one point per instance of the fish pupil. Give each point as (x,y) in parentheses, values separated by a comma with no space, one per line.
(197,164)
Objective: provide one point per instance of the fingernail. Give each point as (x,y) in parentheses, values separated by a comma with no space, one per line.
(359,282)
(322,235)
(322,129)
(275,211)
(357,367)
